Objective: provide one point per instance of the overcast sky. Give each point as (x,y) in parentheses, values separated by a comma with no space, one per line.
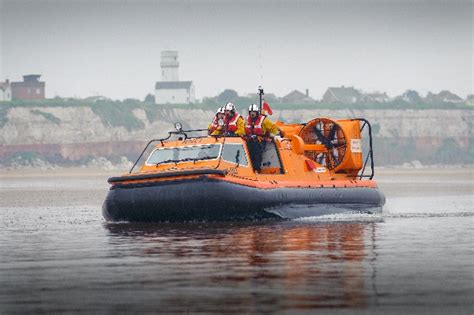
(112,48)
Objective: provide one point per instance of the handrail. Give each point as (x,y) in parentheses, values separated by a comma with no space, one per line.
(170,133)
(370,154)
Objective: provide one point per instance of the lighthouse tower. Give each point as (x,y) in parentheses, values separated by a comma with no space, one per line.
(169,66)
(170,90)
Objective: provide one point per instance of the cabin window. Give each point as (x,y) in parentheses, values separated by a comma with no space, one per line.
(271,163)
(235,153)
(183,154)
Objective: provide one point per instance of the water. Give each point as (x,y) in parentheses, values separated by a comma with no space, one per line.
(57,254)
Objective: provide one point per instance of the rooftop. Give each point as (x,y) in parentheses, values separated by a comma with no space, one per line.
(170,85)
(345,93)
(31,77)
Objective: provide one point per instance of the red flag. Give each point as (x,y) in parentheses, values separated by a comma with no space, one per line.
(266,108)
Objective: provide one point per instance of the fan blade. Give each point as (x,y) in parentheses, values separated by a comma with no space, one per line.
(329,162)
(329,138)
(319,135)
(332,132)
(334,159)
(320,158)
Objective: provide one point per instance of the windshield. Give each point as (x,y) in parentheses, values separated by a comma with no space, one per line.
(235,153)
(181,154)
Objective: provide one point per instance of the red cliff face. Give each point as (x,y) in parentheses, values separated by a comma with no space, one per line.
(77,151)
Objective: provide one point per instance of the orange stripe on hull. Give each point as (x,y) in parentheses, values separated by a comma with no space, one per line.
(272,183)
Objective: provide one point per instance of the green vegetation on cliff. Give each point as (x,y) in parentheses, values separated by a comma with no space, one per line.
(47,116)
(4,108)
(117,114)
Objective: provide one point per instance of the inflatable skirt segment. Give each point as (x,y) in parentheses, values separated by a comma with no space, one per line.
(209,199)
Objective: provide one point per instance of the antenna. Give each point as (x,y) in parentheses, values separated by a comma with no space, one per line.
(260,60)
(260,93)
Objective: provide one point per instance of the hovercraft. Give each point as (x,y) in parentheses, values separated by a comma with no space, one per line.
(311,169)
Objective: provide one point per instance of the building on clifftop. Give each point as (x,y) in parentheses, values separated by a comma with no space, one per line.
(443,97)
(344,95)
(170,90)
(30,89)
(297,97)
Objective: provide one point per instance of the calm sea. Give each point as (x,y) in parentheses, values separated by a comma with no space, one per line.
(57,254)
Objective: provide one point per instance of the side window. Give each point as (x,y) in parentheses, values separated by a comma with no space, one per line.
(235,153)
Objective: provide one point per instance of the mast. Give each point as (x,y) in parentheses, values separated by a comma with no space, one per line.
(260,93)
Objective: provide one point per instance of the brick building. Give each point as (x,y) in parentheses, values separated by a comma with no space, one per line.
(30,89)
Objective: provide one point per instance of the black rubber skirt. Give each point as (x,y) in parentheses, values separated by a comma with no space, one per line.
(210,199)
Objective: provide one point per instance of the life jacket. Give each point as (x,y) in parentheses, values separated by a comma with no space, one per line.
(231,124)
(214,124)
(254,127)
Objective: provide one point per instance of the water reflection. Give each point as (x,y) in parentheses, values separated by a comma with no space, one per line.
(256,266)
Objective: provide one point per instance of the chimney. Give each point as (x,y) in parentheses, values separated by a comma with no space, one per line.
(7,81)
(307,92)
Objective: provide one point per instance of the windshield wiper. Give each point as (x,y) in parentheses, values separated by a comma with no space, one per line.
(194,159)
(168,161)
(185,160)
(207,157)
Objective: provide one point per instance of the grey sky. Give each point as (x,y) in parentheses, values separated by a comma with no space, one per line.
(113,47)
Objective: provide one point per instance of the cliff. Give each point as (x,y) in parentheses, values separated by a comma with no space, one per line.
(73,134)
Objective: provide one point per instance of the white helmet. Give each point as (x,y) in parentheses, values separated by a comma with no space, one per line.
(220,110)
(254,108)
(229,106)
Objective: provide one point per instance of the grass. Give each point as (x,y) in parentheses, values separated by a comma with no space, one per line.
(4,108)
(48,116)
(117,114)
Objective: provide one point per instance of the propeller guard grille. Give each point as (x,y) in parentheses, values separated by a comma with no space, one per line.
(328,133)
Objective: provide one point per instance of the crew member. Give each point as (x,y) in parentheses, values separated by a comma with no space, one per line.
(233,123)
(259,130)
(216,127)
